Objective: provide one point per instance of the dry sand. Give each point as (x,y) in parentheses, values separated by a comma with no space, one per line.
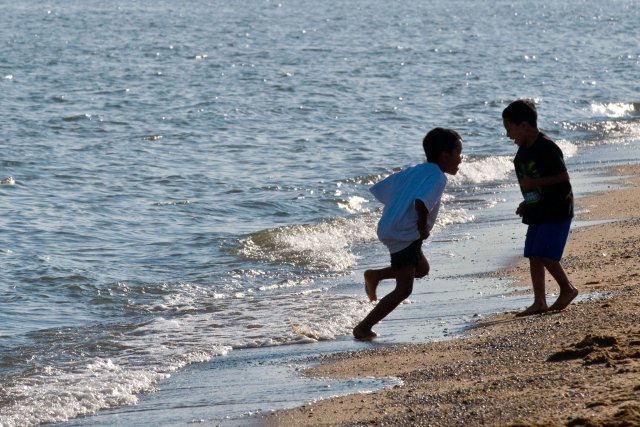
(578,367)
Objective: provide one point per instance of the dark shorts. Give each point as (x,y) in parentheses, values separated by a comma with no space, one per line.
(547,240)
(411,255)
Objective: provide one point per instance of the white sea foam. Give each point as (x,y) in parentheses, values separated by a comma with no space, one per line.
(449,216)
(319,323)
(609,132)
(313,315)
(59,396)
(614,109)
(491,202)
(166,344)
(327,245)
(612,132)
(287,284)
(354,204)
(482,170)
(496,168)
(568,148)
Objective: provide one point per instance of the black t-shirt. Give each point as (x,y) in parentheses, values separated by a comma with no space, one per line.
(549,203)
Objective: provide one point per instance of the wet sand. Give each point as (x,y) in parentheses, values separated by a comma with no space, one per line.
(577,367)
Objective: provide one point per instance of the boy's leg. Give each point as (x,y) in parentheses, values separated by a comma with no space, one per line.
(404,286)
(422,269)
(373,277)
(567,291)
(536,265)
(544,245)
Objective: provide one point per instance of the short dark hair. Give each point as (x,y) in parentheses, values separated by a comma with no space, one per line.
(438,140)
(521,110)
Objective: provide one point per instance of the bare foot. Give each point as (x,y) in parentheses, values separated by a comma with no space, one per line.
(534,309)
(363,334)
(370,284)
(564,300)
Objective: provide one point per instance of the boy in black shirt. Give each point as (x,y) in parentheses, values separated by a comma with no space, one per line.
(548,203)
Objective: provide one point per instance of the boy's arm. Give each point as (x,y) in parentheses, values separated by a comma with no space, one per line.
(422,211)
(529,183)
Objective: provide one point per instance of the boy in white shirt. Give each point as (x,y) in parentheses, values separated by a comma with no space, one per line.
(411,201)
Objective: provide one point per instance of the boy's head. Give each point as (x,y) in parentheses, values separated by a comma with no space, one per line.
(520,120)
(521,111)
(444,147)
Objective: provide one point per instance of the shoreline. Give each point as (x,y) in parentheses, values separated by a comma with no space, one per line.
(548,369)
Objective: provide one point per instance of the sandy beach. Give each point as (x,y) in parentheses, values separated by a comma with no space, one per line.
(578,367)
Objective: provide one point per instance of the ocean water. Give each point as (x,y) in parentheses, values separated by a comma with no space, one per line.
(184,185)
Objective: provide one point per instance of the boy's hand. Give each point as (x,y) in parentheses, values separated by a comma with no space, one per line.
(520,209)
(422,211)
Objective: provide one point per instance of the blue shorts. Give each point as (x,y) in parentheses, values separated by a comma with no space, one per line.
(547,240)
(411,255)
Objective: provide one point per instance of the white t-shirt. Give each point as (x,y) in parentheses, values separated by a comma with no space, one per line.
(398,226)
